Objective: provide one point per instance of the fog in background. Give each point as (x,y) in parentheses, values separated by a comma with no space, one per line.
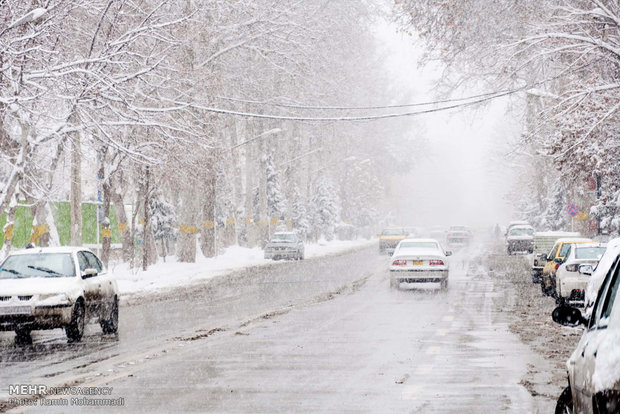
(461,172)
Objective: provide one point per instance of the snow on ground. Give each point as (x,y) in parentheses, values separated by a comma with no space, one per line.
(171,273)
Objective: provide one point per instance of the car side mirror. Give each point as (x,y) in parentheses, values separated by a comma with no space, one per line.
(88,273)
(586,269)
(568,316)
(558,260)
(448,253)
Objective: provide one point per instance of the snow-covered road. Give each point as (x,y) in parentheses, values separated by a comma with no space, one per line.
(324,335)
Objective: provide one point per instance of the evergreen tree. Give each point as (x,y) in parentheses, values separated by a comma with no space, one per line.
(554,216)
(325,210)
(299,215)
(276,202)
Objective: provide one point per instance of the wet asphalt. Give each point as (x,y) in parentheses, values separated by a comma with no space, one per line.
(320,335)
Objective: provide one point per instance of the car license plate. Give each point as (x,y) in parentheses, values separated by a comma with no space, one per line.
(416,262)
(15,310)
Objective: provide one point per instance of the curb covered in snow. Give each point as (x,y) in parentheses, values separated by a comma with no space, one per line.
(172,274)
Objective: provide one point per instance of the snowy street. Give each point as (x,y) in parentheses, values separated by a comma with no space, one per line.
(310,206)
(318,335)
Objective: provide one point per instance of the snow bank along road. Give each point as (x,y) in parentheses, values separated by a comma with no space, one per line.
(319,335)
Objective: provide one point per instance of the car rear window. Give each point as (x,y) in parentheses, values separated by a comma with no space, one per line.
(283,237)
(392,232)
(418,245)
(589,252)
(522,232)
(37,265)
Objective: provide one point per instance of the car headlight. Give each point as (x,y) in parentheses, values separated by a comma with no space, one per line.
(53,299)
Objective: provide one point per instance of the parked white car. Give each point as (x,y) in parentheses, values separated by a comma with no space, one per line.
(593,374)
(600,272)
(48,288)
(285,245)
(515,223)
(419,261)
(573,275)
(520,238)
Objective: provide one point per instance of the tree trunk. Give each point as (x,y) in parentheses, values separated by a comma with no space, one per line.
(207,228)
(149,252)
(44,231)
(264,221)
(17,173)
(9,227)
(76,191)
(106,231)
(188,217)
(250,183)
(123,223)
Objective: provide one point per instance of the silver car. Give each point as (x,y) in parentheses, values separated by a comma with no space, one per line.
(285,245)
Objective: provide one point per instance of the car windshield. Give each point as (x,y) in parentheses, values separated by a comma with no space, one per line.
(392,232)
(595,252)
(564,250)
(37,265)
(418,245)
(522,232)
(283,237)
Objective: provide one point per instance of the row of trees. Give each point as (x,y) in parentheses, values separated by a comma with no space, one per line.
(566,57)
(190,111)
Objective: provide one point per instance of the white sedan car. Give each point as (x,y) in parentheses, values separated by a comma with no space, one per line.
(570,282)
(593,374)
(48,288)
(419,261)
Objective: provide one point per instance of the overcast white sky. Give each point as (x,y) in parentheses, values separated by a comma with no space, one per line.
(460,177)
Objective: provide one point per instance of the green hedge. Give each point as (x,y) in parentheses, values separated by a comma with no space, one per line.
(61,211)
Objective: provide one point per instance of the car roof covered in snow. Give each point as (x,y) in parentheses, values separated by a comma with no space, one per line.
(573,239)
(558,233)
(598,276)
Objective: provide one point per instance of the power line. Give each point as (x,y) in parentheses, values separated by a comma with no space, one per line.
(346,108)
(348,118)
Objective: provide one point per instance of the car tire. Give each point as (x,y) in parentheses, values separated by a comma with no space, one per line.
(75,329)
(564,404)
(110,325)
(394,284)
(444,284)
(23,337)
(543,289)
